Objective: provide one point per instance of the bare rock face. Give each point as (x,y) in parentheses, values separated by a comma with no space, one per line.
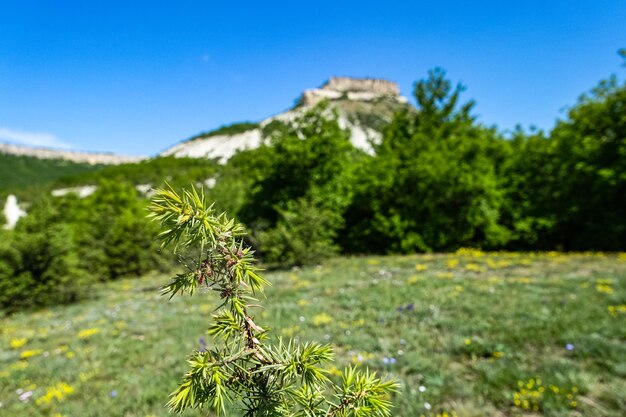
(92,158)
(355,89)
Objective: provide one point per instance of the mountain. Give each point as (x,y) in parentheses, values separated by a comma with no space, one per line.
(363,105)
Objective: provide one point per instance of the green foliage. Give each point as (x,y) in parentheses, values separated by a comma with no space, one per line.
(567,190)
(433,183)
(115,239)
(531,204)
(19,172)
(305,234)
(177,171)
(38,262)
(590,150)
(242,367)
(231,129)
(305,172)
(66,244)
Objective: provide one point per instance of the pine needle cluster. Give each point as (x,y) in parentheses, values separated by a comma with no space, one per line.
(242,369)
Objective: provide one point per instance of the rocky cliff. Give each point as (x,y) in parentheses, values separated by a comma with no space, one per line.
(355,89)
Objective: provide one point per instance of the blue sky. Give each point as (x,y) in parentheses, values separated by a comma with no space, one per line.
(134,77)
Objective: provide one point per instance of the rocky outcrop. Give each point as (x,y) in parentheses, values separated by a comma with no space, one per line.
(92,158)
(363,105)
(354,89)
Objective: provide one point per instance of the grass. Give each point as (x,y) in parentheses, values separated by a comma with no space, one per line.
(467,334)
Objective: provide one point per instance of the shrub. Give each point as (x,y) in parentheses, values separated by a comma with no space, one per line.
(303,235)
(38,262)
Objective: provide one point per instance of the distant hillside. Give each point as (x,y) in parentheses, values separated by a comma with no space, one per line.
(363,105)
(19,171)
(92,158)
(153,172)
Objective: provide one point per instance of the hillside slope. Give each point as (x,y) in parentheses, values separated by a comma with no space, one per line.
(20,171)
(363,106)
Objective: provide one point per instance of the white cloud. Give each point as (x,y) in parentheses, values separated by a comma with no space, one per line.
(22,137)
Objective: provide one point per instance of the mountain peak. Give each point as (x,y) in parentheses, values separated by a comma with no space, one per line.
(354,89)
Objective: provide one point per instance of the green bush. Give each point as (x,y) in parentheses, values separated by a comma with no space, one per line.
(304,235)
(433,184)
(115,237)
(39,262)
(301,185)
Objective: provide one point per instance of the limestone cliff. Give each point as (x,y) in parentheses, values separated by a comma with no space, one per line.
(355,89)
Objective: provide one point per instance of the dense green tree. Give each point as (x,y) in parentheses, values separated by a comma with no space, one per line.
(307,172)
(115,237)
(433,183)
(590,181)
(529,176)
(39,262)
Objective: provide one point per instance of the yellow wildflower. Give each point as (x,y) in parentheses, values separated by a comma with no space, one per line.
(85,333)
(56,392)
(18,343)
(322,319)
(473,267)
(452,263)
(30,353)
(414,279)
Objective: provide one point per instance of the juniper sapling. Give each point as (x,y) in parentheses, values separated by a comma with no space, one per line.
(242,366)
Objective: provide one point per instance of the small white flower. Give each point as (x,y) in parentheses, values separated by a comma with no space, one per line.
(25,396)
(421,388)
(302,318)
(427,406)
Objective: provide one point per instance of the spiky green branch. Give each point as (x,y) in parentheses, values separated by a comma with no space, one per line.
(284,379)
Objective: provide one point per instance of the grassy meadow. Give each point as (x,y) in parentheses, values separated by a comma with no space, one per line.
(466,334)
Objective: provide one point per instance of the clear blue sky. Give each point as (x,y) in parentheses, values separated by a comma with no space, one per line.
(135,77)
